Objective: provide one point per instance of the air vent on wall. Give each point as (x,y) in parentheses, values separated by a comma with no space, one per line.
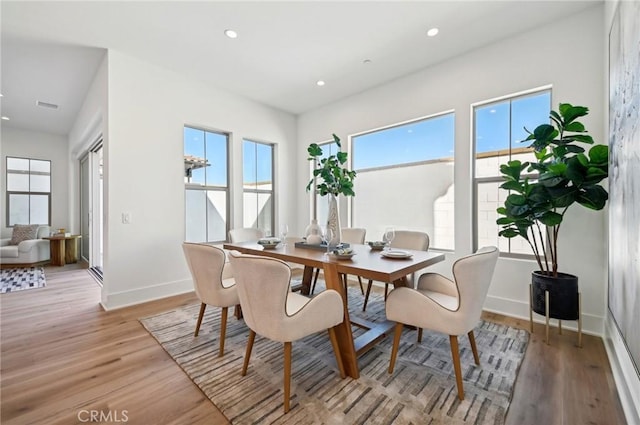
(47,105)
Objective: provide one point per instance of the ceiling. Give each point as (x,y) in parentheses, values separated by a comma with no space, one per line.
(51,50)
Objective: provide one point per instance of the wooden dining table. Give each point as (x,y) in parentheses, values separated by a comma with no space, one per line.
(366,263)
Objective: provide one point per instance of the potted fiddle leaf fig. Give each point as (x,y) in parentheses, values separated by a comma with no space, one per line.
(567,174)
(331,177)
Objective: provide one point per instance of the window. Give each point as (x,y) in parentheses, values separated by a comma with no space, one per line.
(28,191)
(499,126)
(206,185)
(405,179)
(257,170)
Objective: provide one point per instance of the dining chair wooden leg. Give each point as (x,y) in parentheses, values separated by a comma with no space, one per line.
(455,353)
(361,287)
(419,335)
(336,350)
(247,354)
(315,280)
(287,375)
(203,306)
(223,329)
(366,296)
(396,344)
(344,283)
(474,348)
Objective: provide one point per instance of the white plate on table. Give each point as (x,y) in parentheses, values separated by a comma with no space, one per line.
(343,256)
(396,253)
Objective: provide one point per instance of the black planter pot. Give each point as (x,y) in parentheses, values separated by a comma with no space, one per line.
(563,295)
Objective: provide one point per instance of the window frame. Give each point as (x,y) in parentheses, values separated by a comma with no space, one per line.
(257,191)
(214,188)
(28,193)
(498,178)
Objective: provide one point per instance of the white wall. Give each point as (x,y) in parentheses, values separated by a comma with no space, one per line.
(506,67)
(37,145)
(148,108)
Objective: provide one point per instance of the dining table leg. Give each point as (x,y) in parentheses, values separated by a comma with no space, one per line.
(307,276)
(343,330)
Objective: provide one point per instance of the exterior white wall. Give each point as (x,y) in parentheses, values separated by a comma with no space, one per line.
(148,108)
(506,67)
(38,145)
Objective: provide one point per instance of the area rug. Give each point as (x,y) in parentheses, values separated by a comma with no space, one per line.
(422,389)
(18,279)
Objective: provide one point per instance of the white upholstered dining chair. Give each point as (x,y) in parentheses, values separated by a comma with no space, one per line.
(207,263)
(450,307)
(271,310)
(244,234)
(404,239)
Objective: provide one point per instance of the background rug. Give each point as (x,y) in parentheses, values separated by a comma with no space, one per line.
(422,389)
(20,278)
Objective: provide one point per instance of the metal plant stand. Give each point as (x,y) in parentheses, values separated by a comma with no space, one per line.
(546,302)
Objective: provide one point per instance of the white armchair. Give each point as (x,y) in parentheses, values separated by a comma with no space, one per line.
(27,252)
(272,311)
(450,307)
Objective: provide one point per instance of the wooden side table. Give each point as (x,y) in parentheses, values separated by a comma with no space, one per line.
(64,249)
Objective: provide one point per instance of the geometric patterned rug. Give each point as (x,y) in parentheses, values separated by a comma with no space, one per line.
(18,279)
(422,389)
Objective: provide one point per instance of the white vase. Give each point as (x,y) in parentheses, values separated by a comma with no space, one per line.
(333,220)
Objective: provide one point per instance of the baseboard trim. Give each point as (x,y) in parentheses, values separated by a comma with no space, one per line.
(123,299)
(591,324)
(624,374)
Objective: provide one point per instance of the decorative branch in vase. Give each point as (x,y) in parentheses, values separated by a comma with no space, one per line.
(331,177)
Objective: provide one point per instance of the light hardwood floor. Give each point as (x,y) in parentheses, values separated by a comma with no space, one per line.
(62,355)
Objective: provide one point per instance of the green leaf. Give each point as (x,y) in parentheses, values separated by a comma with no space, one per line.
(551,218)
(558,168)
(504,220)
(336,140)
(576,127)
(314,150)
(593,197)
(545,132)
(599,154)
(512,185)
(515,199)
(502,210)
(342,157)
(575,170)
(584,138)
(569,112)
(574,149)
(508,233)
(584,161)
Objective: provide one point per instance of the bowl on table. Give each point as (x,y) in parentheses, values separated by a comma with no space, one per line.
(343,253)
(268,243)
(377,245)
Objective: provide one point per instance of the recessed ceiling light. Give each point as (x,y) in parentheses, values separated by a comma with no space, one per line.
(433,32)
(231,33)
(320,83)
(366,61)
(5,118)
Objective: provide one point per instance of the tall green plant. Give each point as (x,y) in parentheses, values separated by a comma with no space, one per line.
(331,173)
(567,174)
